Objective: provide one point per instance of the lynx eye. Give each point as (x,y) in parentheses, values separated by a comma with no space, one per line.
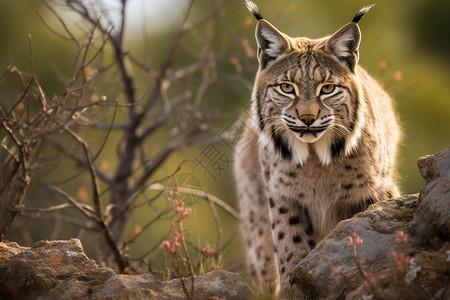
(327,88)
(287,88)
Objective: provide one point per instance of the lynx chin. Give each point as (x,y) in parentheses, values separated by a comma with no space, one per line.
(319,146)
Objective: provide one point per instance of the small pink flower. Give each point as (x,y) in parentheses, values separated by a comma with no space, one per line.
(180,207)
(173,247)
(166,245)
(402,238)
(186,213)
(234,61)
(397,76)
(382,65)
(335,270)
(355,240)
(371,279)
(208,250)
(394,256)
(249,52)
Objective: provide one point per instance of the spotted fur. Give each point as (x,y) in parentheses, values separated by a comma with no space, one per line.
(319,146)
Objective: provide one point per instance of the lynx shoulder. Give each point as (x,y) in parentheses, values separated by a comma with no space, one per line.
(319,146)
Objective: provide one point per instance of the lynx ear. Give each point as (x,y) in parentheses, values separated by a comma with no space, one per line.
(271,42)
(344,44)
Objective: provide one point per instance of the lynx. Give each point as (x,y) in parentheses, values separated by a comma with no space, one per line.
(318,147)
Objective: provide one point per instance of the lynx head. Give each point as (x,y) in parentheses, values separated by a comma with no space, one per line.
(307,95)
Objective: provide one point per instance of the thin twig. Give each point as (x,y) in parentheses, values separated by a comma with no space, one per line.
(146,226)
(166,64)
(201,194)
(89,225)
(183,284)
(364,274)
(87,211)
(61,21)
(188,259)
(42,210)
(218,254)
(42,97)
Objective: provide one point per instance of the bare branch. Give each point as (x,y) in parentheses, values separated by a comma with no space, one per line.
(120,260)
(42,97)
(61,21)
(86,210)
(36,212)
(156,162)
(166,64)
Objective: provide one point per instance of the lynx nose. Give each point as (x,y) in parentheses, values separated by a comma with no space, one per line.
(308,119)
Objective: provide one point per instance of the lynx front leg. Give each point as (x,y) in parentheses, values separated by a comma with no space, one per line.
(292,234)
(260,250)
(255,227)
(254,209)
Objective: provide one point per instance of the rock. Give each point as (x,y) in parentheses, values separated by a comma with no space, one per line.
(330,270)
(8,251)
(432,218)
(410,265)
(214,285)
(61,270)
(435,166)
(57,268)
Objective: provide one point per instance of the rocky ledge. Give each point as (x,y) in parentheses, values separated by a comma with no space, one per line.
(396,249)
(61,270)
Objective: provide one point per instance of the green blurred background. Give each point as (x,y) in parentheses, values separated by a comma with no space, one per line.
(405,45)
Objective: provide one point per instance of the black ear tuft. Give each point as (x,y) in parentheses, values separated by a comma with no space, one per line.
(253,8)
(361,13)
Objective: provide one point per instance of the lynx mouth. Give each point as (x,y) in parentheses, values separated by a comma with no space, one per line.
(305,131)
